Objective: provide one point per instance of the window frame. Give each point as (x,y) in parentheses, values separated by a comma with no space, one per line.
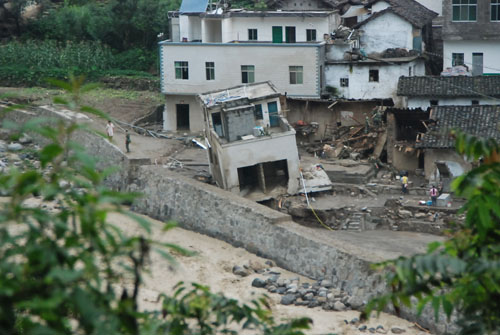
(296,74)
(181,69)
(311,35)
(464,6)
(258,113)
(247,74)
(454,56)
(344,82)
(370,76)
(210,70)
(495,4)
(251,32)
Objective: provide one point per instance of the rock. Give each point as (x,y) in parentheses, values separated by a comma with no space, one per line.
(405,213)
(308,296)
(338,306)
(322,294)
(326,283)
(272,289)
(281,290)
(3,146)
(256,265)
(25,139)
(355,320)
(371,330)
(305,285)
(321,300)
(257,282)
(420,215)
(15,147)
(314,303)
(280,282)
(355,302)
(288,299)
(291,290)
(239,271)
(397,330)
(362,328)
(292,285)
(270,263)
(330,296)
(295,279)
(273,279)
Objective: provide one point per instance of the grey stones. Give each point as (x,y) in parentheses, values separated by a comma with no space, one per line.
(355,302)
(15,147)
(240,271)
(362,328)
(25,139)
(338,306)
(257,282)
(288,299)
(326,283)
(397,330)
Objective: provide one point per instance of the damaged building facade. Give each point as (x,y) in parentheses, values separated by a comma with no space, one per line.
(252,148)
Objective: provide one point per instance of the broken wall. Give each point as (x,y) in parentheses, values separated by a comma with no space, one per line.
(433,155)
(239,123)
(196,122)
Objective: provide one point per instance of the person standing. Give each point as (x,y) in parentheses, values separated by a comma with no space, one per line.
(127,140)
(110,130)
(404,184)
(434,195)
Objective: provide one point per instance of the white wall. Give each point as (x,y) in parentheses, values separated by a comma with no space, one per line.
(190,27)
(361,88)
(236,28)
(434,5)
(196,122)
(378,6)
(386,31)
(490,50)
(247,153)
(271,62)
(424,102)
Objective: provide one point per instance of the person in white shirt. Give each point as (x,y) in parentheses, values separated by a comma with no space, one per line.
(110,130)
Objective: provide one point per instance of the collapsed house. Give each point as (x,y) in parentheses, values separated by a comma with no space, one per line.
(252,148)
(439,146)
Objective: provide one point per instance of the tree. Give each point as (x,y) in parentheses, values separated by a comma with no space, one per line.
(15,8)
(462,274)
(61,271)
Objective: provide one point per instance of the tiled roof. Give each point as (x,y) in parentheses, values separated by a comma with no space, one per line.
(410,10)
(482,121)
(458,86)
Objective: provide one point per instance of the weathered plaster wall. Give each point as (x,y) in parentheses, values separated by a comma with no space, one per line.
(424,102)
(196,122)
(489,48)
(432,155)
(404,161)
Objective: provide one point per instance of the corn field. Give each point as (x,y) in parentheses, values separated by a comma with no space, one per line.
(87,56)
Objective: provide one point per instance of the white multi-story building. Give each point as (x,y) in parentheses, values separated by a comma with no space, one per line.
(471,35)
(385,45)
(212,49)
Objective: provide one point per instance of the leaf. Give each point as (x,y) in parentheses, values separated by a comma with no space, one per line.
(436,301)
(49,153)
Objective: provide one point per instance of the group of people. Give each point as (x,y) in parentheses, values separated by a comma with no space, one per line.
(110,131)
(434,192)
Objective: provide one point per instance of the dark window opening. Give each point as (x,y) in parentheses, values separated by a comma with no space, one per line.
(181,70)
(434,102)
(290,34)
(217,122)
(310,35)
(182,116)
(344,82)
(258,112)
(457,59)
(410,124)
(464,10)
(252,35)
(495,10)
(350,21)
(475,102)
(373,75)
(276,173)
(421,159)
(263,176)
(247,74)
(210,70)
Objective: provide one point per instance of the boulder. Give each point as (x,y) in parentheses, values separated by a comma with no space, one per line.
(239,271)
(15,147)
(397,330)
(338,306)
(288,299)
(257,282)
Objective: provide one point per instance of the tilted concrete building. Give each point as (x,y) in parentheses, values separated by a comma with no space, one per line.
(252,148)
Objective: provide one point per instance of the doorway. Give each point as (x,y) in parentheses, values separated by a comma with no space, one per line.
(182,116)
(290,34)
(272,108)
(277,34)
(477,64)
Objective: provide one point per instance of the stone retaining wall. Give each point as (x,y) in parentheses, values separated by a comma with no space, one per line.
(258,229)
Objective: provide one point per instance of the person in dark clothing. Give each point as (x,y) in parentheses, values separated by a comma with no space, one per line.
(127,140)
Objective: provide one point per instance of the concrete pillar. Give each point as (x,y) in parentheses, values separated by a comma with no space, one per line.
(262,177)
(391,137)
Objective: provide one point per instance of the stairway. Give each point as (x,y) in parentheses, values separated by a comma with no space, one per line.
(355,223)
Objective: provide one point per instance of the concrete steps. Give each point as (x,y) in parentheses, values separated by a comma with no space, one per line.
(355,223)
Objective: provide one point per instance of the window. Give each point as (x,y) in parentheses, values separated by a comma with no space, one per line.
(296,75)
(344,82)
(311,34)
(409,71)
(495,10)
(252,35)
(434,102)
(290,34)
(373,75)
(258,112)
(247,74)
(475,102)
(464,10)
(210,70)
(181,70)
(457,59)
